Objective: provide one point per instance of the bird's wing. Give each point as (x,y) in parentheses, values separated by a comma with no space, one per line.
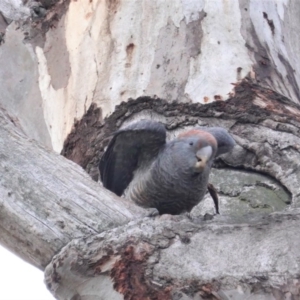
(224,139)
(137,144)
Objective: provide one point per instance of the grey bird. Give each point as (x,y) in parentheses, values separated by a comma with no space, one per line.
(169,176)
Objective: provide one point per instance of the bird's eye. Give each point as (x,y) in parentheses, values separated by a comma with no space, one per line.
(191,143)
(199,159)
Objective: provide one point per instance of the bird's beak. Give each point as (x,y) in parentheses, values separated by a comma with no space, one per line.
(203,155)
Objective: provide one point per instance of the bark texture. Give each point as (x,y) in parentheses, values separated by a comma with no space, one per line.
(46,201)
(253,258)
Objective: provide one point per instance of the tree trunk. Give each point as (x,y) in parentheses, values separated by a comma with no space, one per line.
(66,71)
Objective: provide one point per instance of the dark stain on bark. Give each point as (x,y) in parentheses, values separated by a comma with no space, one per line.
(263,66)
(290,75)
(270,22)
(185,239)
(2,38)
(194,35)
(129,50)
(218,98)
(129,278)
(3,23)
(56,278)
(113,5)
(129,54)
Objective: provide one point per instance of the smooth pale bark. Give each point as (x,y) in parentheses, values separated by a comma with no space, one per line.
(47,200)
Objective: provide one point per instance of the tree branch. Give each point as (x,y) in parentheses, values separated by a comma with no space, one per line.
(178,259)
(46,200)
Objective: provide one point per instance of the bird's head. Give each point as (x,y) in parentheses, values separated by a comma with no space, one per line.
(201,148)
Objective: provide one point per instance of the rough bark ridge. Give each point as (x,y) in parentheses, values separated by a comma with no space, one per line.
(253,257)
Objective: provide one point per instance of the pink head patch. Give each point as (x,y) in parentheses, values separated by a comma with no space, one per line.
(201,134)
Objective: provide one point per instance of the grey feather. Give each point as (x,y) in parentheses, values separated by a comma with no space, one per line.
(139,143)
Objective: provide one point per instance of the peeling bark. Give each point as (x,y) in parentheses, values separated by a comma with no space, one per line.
(253,257)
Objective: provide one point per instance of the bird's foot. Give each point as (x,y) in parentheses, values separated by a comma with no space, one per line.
(213,193)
